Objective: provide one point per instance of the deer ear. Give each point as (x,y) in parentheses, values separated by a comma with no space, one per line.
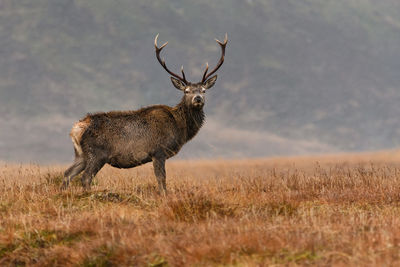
(210,82)
(178,84)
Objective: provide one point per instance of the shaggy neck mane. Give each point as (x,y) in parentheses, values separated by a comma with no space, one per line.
(193,118)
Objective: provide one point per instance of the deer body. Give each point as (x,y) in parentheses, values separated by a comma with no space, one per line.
(126,139)
(130,138)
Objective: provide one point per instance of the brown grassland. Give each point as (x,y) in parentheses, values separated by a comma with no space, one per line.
(320,210)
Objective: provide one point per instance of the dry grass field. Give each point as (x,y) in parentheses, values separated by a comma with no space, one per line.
(320,210)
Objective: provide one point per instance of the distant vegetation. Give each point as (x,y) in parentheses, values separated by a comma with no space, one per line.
(320,75)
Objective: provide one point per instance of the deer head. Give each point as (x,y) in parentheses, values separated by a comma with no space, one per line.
(193,92)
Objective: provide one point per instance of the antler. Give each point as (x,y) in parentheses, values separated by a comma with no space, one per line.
(162,62)
(221,60)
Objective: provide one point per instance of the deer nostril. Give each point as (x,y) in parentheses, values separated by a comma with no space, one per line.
(198,99)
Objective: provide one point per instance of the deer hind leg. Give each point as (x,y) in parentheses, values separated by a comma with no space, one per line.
(159,171)
(77,167)
(79,164)
(91,169)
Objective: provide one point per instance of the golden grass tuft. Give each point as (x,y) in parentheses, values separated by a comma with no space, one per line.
(327,210)
(193,207)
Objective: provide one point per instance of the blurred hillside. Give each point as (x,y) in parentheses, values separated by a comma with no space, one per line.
(300,76)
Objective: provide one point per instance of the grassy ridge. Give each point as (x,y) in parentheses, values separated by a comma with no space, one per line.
(318,210)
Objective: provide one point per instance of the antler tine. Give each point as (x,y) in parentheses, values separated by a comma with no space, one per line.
(205,73)
(221,60)
(183,73)
(225,40)
(156,46)
(162,61)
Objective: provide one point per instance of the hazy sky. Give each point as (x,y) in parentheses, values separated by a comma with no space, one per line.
(300,77)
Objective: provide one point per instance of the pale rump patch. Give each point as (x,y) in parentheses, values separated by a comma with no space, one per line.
(76,133)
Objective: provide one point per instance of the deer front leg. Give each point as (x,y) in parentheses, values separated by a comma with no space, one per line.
(159,171)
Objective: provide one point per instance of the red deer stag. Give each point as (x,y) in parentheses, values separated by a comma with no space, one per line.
(126,139)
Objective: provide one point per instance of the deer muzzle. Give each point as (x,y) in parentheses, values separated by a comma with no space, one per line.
(198,101)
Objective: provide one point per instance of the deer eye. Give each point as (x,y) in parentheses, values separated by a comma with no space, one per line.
(187,90)
(203,90)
